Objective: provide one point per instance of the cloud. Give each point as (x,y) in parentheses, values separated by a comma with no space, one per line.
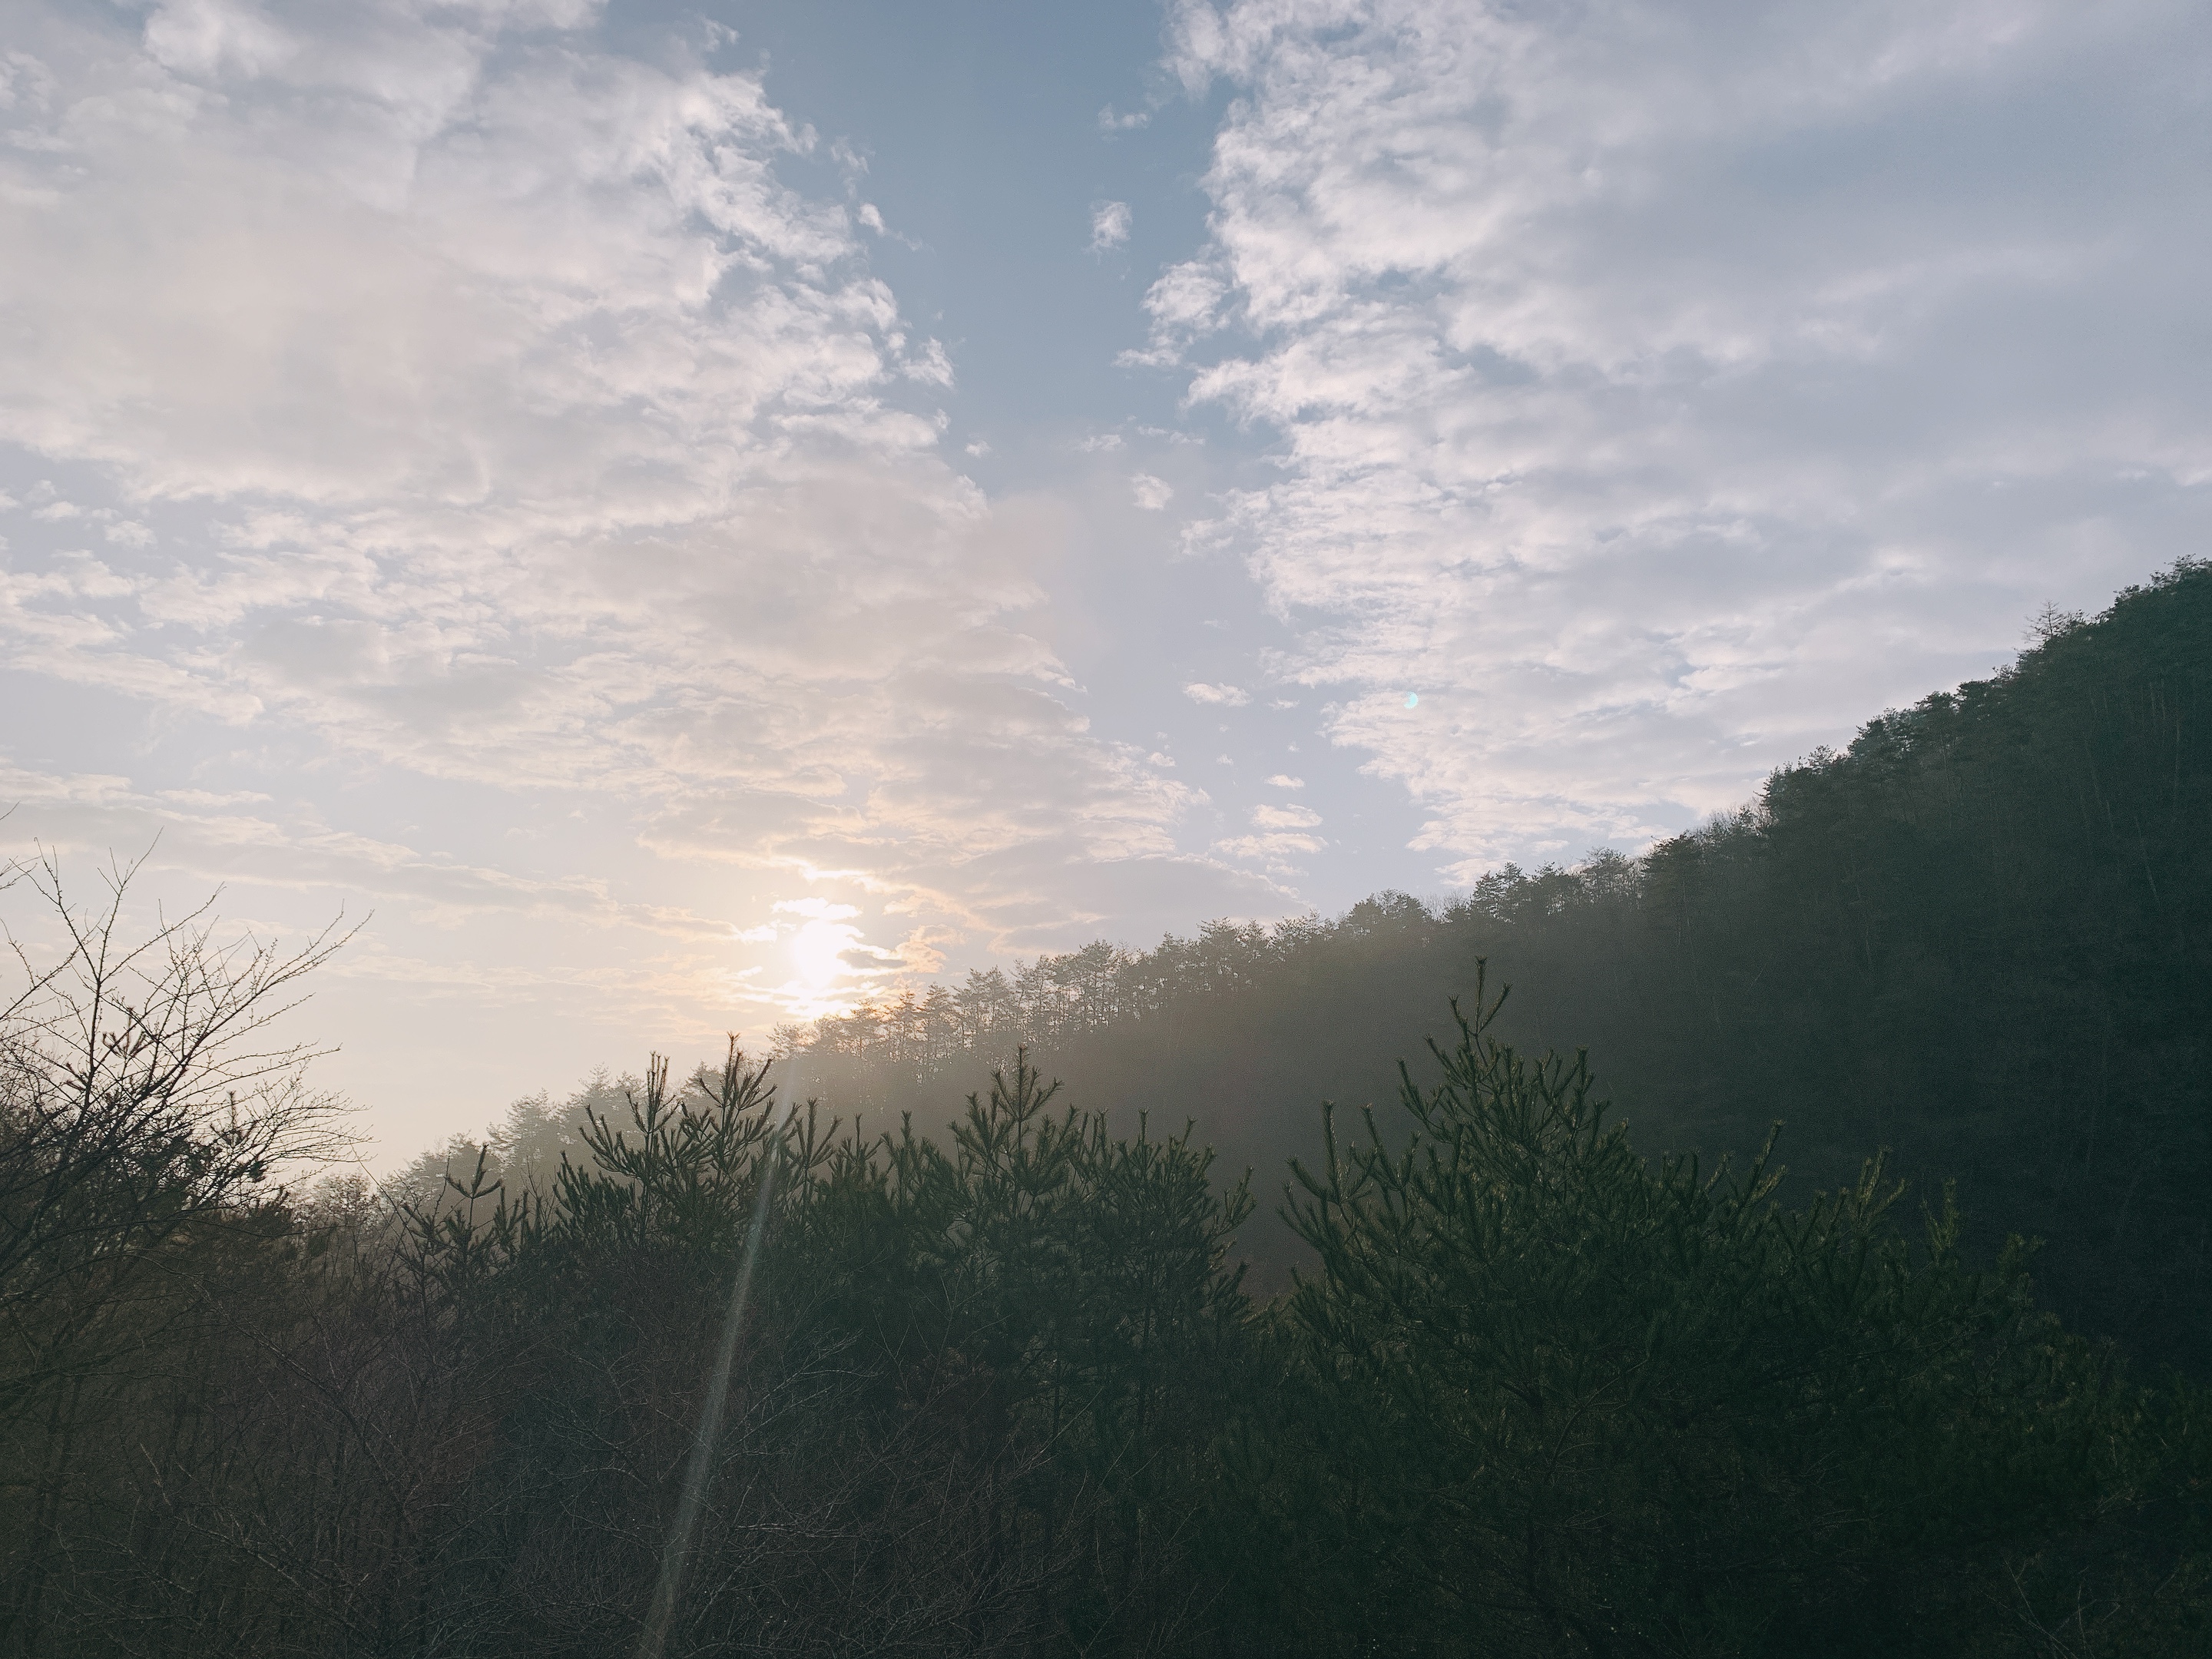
(486,407)
(241,836)
(1225,696)
(819,910)
(1284,781)
(1184,305)
(1285,817)
(1660,395)
(1277,851)
(1151,494)
(1110,225)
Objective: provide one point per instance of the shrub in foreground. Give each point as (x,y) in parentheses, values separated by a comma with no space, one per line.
(1005,1392)
(1540,1397)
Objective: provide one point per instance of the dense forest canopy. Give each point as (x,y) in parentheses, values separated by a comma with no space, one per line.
(1981,936)
(1551,1378)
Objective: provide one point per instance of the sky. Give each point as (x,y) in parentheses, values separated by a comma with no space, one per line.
(673,519)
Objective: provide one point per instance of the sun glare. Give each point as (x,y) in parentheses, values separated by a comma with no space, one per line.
(817,952)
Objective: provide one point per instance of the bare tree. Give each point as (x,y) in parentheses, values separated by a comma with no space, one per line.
(139,1097)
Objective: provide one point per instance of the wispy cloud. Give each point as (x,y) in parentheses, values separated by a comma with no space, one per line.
(1281,836)
(1110,225)
(484,405)
(1232,696)
(1664,392)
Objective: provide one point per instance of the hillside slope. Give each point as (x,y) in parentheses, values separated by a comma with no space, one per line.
(1978,937)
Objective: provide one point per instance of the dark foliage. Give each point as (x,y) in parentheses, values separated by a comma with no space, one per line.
(1981,938)
(1003,1390)
(1006,1395)
(1543,1397)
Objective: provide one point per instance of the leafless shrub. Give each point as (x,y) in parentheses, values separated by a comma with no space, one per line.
(139,1097)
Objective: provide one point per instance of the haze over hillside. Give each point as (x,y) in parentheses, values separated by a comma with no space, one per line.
(676,1366)
(622,622)
(692,516)
(1980,938)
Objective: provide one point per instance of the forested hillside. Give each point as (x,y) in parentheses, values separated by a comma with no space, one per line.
(740,1385)
(1981,936)
(672,1368)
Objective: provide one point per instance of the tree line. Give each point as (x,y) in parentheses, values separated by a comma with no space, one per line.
(1471,1365)
(1979,937)
(1005,1391)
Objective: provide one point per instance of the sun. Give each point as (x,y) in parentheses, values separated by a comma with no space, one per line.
(817,952)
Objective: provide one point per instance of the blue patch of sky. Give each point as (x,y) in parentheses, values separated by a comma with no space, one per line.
(990,132)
